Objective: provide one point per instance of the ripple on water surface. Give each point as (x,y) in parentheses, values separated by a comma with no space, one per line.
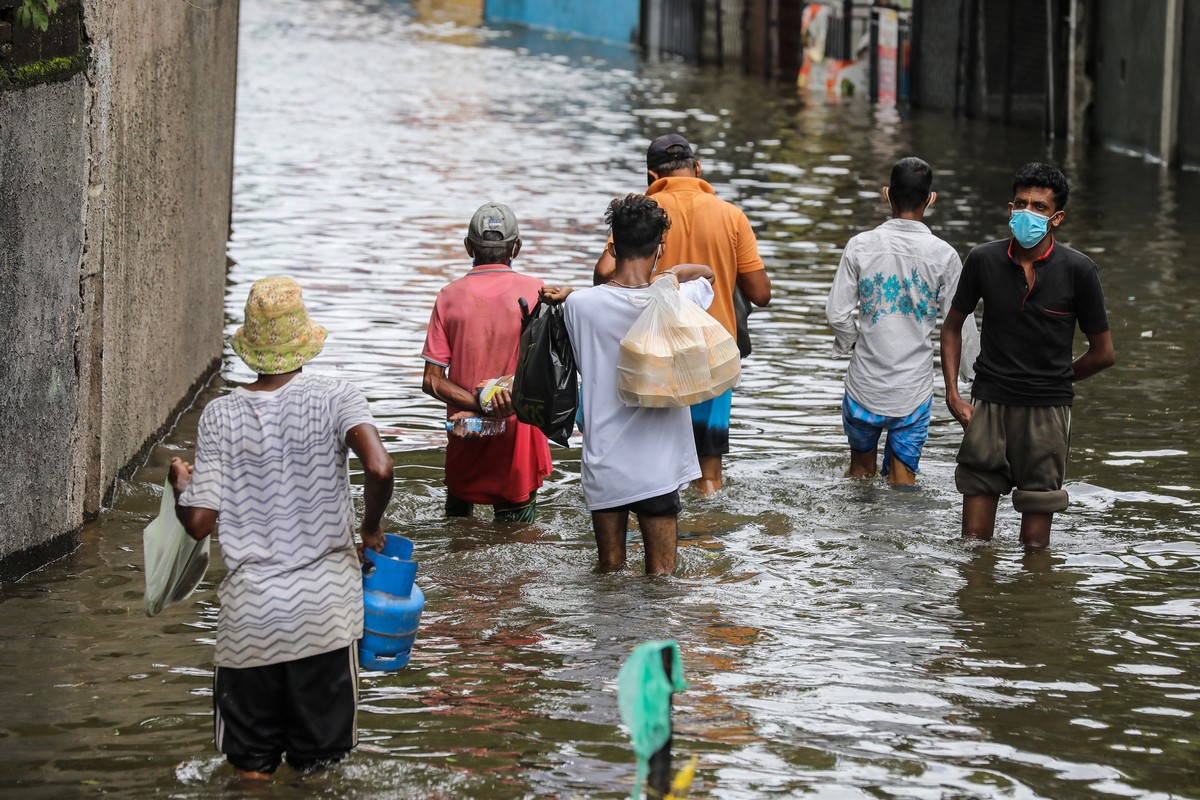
(839,641)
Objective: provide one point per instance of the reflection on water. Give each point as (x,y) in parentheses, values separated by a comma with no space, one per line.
(840,642)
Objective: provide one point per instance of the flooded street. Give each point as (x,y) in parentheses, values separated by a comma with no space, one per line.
(839,640)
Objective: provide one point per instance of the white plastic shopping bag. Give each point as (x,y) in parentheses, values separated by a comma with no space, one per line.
(175,562)
(675,354)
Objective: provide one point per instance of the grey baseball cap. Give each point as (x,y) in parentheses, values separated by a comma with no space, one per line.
(493,217)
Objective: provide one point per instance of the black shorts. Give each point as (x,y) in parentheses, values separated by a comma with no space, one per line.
(306,709)
(665,505)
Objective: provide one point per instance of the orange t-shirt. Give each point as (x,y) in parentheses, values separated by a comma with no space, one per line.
(707,230)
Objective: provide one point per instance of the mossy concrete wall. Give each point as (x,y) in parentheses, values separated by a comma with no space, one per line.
(115,191)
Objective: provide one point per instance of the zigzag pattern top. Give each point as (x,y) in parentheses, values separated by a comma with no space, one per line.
(273,465)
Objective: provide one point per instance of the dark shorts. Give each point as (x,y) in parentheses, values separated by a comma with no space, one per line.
(305,709)
(521,511)
(710,425)
(1022,449)
(664,505)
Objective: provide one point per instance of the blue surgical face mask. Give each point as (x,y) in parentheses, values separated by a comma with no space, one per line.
(1028,227)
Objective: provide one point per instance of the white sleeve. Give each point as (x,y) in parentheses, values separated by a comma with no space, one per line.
(699,291)
(208,476)
(843,299)
(350,409)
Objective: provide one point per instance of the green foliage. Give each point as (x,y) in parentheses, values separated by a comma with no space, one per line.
(36,13)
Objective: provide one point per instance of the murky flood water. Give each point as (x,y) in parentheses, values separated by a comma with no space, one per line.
(839,640)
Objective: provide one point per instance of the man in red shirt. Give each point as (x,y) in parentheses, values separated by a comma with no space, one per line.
(472,337)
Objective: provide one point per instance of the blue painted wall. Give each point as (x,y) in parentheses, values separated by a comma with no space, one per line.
(610,20)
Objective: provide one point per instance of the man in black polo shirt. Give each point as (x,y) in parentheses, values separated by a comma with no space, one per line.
(1034,290)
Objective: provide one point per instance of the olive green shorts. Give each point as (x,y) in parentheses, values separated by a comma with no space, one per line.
(1022,449)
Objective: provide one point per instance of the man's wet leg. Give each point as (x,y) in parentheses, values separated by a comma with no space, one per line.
(979,516)
(458,508)
(1035,531)
(610,528)
(863,465)
(660,536)
(899,474)
(711,478)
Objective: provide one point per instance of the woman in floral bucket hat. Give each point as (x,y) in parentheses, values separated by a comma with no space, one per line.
(271,465)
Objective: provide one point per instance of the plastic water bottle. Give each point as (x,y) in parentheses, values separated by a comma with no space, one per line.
(480,426)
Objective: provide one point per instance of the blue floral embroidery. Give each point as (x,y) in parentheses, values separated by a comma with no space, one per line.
(910,296)
(891,289)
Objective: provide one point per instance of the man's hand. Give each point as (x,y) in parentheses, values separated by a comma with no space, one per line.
(502,404)
(372,538)
(554,294)
(461,434)
(180,474)
(961,410)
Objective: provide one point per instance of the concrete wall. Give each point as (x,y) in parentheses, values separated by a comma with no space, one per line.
(937,41)
(113,273)
(1189,96)
(613,21)
(43,183)
(1127,92)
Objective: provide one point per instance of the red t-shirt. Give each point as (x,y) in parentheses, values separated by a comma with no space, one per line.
(473,331)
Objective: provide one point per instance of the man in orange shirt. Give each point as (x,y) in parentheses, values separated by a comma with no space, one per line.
(704,230)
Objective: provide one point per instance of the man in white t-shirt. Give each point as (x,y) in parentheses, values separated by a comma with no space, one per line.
(634,459)
(271,463)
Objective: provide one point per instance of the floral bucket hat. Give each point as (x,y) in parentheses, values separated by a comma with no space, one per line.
(277,336)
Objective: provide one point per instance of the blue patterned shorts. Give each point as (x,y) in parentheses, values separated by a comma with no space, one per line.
(906,435)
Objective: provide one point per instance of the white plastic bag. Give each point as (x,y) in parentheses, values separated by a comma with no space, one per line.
(675,354)
(175,562)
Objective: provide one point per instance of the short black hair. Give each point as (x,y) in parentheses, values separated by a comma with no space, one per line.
(498,253)
(1036,175)
(638,225)
(666,168)
(910,184)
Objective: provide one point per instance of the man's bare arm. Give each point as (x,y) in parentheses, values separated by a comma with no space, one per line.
(689,272)
(951,340)
(436,384)
(378,480)
(1099,356)
(198,522)
(756,286)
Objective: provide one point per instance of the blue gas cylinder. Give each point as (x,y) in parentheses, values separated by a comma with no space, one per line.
(393,605)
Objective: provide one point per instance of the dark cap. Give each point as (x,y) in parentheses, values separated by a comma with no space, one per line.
(493,217)
(664,149)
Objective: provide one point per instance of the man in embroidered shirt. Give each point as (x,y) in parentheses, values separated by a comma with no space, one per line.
(271,462)
(472,337)
(1034,291)
(898,276)
(704,230)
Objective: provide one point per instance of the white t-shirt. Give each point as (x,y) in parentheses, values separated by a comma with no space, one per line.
(273,465)
(629,453)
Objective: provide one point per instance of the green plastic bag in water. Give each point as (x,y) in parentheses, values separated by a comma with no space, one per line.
(175,562)
(644,698)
